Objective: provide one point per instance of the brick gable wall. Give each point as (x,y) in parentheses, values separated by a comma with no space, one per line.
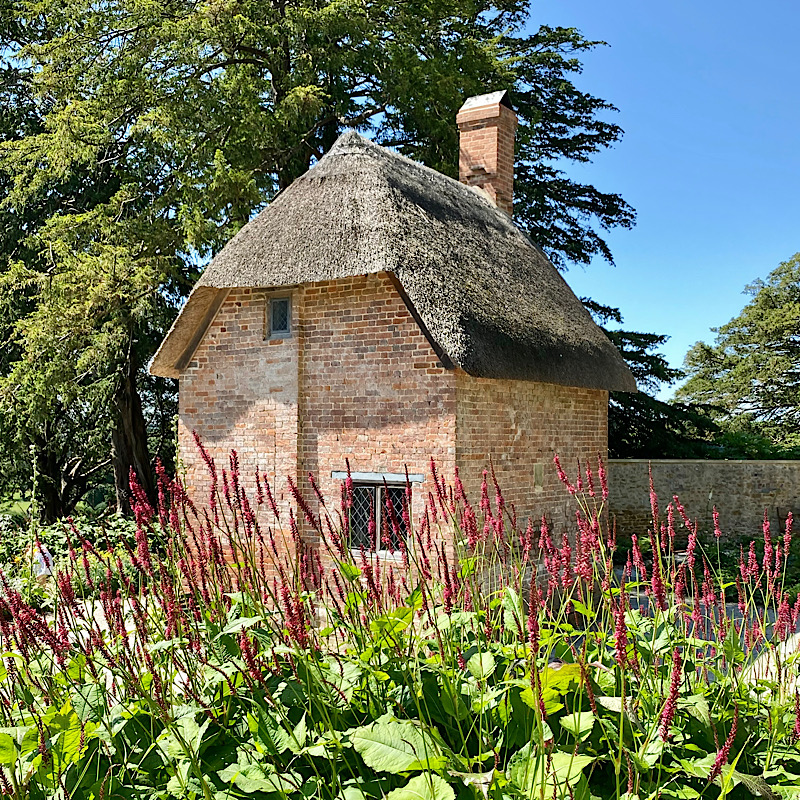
(358,379)
(240,391)
(373,390)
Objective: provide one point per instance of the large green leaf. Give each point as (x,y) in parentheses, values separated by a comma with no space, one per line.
(89,702)
(423,787)
(253,778)
(481,665)
(512,609)
(393,745)
(528,769)
(269,731)
(240,624)
(697,706)
(579,724)
(8,750)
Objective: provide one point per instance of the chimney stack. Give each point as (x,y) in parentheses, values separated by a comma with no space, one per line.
(486,151)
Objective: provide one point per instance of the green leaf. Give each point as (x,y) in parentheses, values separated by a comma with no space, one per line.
(512,610)
(697,706)
(240,624)
(88,700)
(699,767)
(579,724)
(269,732)
(561,678)
(481,665)
(298,740)
(253,778)
(651,754)
(392,745)
(527,769)
(757,786)
(8,750)
(350,572)
(423,787)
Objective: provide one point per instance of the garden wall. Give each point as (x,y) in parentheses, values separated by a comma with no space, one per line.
(741,491)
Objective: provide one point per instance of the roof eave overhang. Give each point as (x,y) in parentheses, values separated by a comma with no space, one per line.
(186,333)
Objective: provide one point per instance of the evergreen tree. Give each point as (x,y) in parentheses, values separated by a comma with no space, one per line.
(752,371)
(639,424)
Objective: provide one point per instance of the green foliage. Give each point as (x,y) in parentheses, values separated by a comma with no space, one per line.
(369,679)
(752,371)
(639,424)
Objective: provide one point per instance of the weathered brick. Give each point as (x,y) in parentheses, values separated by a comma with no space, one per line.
(375,393)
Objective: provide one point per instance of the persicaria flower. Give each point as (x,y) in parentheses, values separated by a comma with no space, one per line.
(768,552)
(620,636)
(653,498)
(671,706)
(784,624)
(752,562)
(601,472)
(562,476)
(249,656)
(722,756)
(589,479)
(691,545)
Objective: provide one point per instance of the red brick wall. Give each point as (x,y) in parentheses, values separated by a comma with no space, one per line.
(519,425)
(240,391)
(357,379)
(373,390)
(370,389)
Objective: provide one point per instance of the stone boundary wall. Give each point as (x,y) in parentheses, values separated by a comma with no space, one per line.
(741,491)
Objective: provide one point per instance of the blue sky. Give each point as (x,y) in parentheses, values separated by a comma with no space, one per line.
(708,94)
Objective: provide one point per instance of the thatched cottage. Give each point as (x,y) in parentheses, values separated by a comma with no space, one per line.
(381,311)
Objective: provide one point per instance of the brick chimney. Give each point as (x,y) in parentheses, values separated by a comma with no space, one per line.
(486,150)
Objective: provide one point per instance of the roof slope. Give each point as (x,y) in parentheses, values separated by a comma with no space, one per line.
(489,298)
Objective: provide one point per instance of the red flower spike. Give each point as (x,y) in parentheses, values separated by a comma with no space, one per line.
(722,756)
(671,706)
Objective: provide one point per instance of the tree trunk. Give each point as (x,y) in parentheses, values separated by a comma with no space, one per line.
(129,441)
(48,482)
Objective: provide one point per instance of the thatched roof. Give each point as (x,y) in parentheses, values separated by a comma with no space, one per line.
(490,300)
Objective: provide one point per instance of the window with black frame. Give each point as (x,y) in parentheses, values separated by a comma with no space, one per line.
(376,518)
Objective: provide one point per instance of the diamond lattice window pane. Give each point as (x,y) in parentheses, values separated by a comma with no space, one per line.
(360,514)
(279,310)
(394,497)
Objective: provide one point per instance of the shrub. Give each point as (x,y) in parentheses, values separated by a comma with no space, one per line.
(244,663)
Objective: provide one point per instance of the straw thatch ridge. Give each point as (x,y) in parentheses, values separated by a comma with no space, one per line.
(488,297)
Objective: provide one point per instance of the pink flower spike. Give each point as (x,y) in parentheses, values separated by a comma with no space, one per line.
(653,498)
(722,756)
(562,476)
(601,472)
(671,706)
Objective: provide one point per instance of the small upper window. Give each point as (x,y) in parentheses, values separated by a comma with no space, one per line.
(279,317)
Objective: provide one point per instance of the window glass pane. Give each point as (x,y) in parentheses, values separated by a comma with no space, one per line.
(394,498)
(363,509)
(279,311)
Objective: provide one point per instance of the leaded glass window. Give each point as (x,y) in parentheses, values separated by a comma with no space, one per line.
(376,517)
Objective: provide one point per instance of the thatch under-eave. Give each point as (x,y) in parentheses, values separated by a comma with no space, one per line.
(488,299)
